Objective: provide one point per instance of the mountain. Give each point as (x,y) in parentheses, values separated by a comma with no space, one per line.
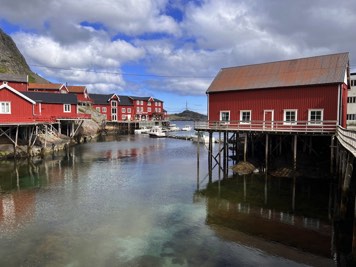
(188,115)
(13,62)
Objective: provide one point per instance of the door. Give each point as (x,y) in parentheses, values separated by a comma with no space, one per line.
(268,119)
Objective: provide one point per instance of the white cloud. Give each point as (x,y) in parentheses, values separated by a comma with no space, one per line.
(140,33)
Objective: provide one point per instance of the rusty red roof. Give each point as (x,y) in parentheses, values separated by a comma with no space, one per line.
(76,89)
(324,69)
(45,86)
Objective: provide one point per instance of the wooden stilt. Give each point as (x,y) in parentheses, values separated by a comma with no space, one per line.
(245,147)
(210,156)
(295,152)
(198,158)
(266,152)
(332,154)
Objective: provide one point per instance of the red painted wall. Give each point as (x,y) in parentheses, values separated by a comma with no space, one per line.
(57,111)
(277,99)
(21,87)
(21,109)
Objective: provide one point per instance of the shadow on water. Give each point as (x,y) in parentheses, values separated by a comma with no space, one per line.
(295,212)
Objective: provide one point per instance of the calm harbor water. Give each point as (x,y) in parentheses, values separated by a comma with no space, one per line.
(133,201)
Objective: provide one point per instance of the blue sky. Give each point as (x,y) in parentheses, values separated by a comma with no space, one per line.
(168,49)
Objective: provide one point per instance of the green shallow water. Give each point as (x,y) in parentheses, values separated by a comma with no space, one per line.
(133,202)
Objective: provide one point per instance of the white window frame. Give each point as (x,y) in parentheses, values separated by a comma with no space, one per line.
(114,103)
(104,109)
(128,110)
(97,109)
(123,110)
(220,117)
(241,116)
(285,122)
(310,122)
(149,109)
(67,108)
(5,107)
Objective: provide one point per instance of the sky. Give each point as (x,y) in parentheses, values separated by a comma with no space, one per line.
(171,50)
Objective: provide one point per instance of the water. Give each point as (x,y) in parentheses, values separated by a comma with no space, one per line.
(132,201)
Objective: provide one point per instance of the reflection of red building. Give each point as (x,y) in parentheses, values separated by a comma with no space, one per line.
(16,207)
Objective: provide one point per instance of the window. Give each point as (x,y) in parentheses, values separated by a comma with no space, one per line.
(245,116)
(5,108)
(128,110)
(123,110)
(224,116)
(290,117)
(123,117)
(138,109)
(315,116)
(113,111)
(104,110)
(66,108)
(148,109)
(351,99)
(351,117)
(353,82)
(141,102)
(149,103)
(138,102)
(113,103)
(97,109)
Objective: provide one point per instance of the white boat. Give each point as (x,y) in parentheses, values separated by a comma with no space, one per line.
(156,132)
(142,130)
(202,138)
(187,128)
(173,127)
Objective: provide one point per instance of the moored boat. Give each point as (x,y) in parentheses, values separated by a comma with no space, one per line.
(156,132)
(142,130)
(187,128)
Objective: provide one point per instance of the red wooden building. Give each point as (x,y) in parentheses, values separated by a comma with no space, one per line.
(306,94)
(129,108)
(15,107)
(17,82)
(148,108)
(81,93)
(57,88)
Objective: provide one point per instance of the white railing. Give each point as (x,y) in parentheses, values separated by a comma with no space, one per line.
(347,138)
(269,126)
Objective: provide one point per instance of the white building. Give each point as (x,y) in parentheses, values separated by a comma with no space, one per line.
(351,101)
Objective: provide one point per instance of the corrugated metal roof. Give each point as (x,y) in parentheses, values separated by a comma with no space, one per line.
(52,98)
(100,99)
(45,86)
(76,88)
(125,100)
(6,77)
(144,98)
(325,69)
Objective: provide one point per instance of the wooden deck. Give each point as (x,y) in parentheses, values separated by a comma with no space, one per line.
(300,127)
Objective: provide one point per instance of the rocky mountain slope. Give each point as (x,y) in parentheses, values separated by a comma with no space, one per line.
(12,61)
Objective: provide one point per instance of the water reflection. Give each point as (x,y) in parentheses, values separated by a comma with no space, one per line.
(288,211)
(128,202)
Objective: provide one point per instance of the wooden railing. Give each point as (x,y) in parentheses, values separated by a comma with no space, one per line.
(269,126)
(347,138)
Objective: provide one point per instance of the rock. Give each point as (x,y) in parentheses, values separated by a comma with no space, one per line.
(243,167)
